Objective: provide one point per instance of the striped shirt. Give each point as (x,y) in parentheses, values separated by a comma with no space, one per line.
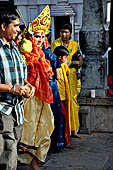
(13,71)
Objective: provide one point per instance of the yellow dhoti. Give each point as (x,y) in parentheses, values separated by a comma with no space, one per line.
(38,127)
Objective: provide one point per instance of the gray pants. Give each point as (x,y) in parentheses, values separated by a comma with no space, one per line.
(10,134)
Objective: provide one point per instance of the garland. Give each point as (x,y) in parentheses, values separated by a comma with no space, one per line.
(39,72)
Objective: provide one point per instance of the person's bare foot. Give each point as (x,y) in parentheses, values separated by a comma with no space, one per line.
(69,146)
(34,165)
(75,135)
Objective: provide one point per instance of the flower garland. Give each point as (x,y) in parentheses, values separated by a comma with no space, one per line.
(39,72)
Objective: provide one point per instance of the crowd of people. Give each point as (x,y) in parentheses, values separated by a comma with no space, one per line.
(39,86)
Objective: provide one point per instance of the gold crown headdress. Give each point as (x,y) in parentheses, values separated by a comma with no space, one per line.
(42,22)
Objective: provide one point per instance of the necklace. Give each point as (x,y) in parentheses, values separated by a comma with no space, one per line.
(65,44)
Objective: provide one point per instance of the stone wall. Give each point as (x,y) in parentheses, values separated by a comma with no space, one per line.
(96,114)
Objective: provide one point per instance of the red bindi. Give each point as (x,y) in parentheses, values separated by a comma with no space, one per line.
(42,33)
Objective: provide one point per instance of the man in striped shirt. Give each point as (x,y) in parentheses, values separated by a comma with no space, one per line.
(12,90)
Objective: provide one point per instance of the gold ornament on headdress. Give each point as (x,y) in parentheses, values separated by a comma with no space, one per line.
(42,22)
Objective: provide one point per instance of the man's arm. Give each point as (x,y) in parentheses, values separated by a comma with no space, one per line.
(5,88)
(16,89)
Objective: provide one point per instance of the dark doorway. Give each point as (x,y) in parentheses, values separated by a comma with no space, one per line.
(57,22)
(7,5)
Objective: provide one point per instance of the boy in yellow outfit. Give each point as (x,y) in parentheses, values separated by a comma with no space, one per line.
(64,90)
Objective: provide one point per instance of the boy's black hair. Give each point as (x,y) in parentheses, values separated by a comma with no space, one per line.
(66,25)
(61,51)
(7,16)
(76,56)
(22,27)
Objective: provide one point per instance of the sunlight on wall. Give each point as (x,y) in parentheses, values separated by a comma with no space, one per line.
(108,11)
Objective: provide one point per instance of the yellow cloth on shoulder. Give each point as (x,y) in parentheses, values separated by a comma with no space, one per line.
(26,46)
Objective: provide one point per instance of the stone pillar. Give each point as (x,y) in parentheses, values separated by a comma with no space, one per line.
(93,44)
(96,114)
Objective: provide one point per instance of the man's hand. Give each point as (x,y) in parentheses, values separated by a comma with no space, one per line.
(78,75)
(20,90)
(26,91)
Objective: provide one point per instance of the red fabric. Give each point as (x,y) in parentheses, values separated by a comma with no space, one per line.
(65,122)
(110,92)
(110,80)
(41,83)
(39,71)
(110,84)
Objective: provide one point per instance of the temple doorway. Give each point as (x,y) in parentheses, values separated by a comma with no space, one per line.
(57,22)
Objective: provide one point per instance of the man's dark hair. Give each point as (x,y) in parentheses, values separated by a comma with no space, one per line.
(7,16)
(60,51)
(66,25)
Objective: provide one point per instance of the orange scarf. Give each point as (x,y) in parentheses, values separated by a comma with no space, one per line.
(39,72)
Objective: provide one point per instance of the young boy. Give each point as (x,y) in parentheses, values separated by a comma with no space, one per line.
(63,85)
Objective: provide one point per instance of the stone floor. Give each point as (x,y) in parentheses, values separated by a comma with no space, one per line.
(93,152)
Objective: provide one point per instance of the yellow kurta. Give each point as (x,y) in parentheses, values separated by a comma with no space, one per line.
(75,85)
(63,83)
(38,127)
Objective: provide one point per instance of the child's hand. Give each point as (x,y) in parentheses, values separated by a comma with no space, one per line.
(75,64)
(78,75)
(67,62)
(31,90)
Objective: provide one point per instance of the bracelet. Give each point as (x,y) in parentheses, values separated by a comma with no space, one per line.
(12,89)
